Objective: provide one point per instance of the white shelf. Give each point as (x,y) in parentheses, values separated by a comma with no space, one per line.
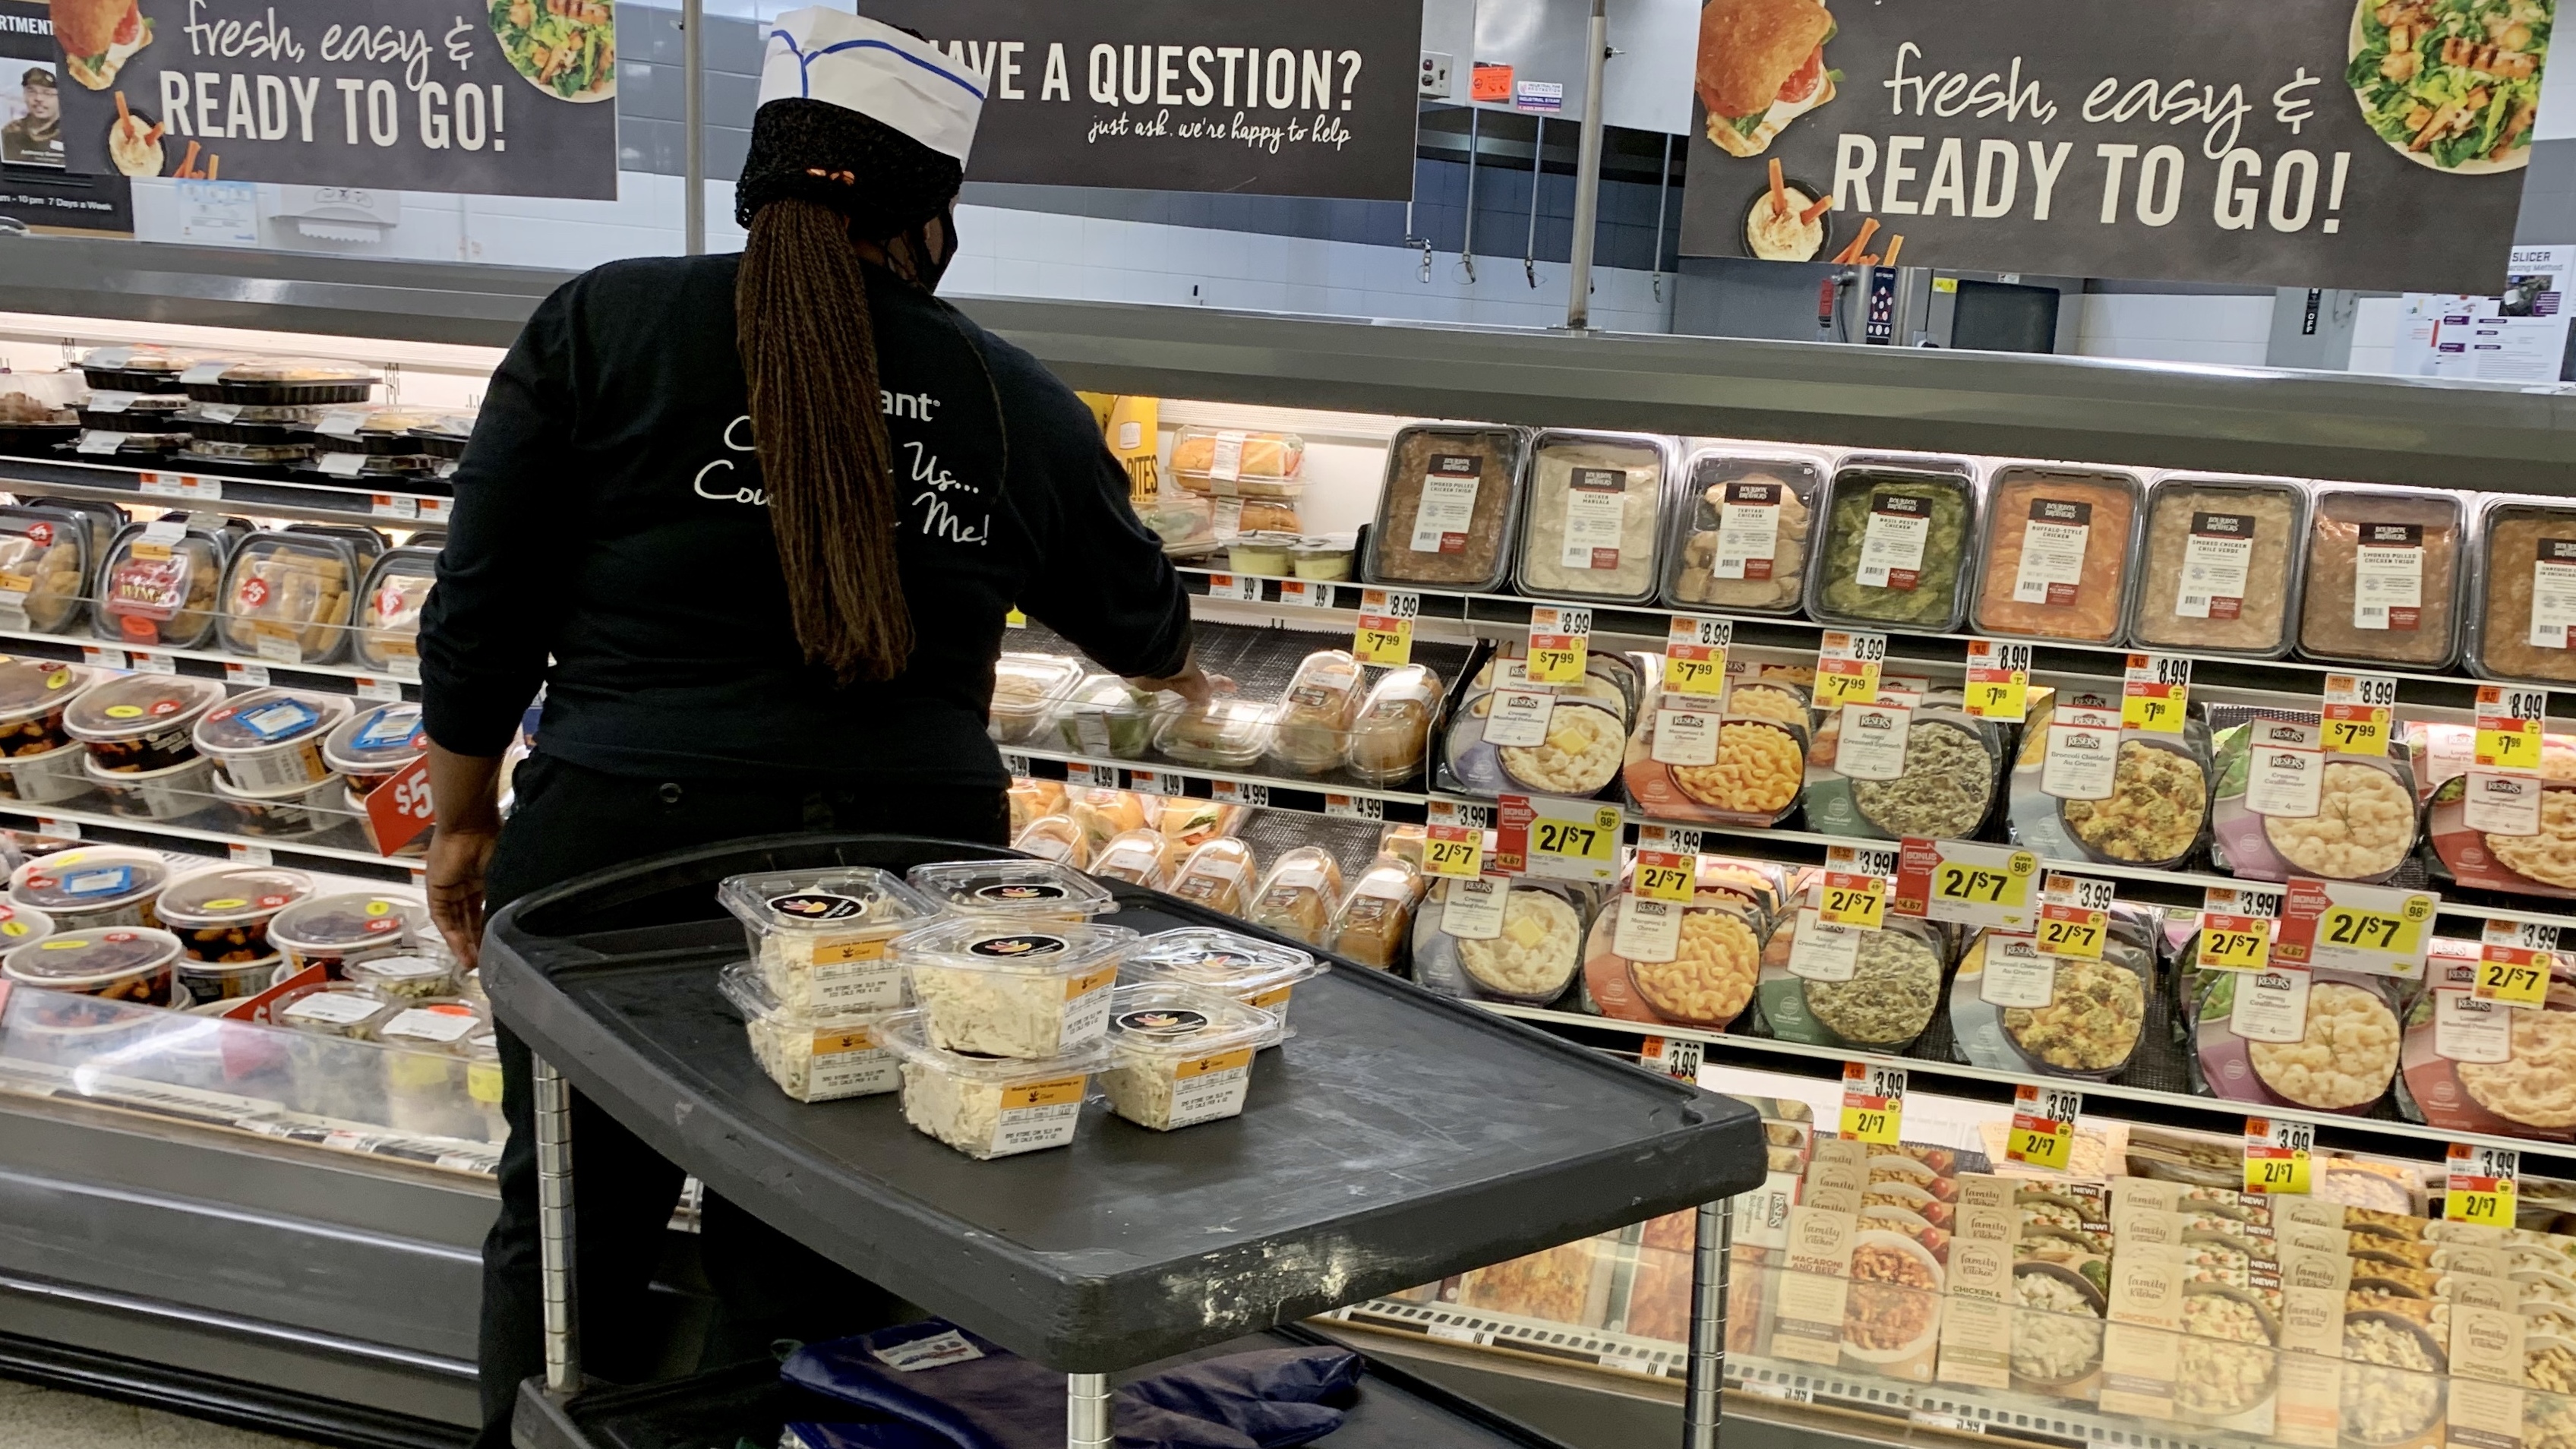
(353,673)
(36,815)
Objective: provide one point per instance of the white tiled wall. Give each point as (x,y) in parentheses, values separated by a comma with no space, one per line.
(2374,334)
(2172,328)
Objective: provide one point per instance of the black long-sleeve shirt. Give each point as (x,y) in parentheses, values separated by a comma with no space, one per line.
(609,514)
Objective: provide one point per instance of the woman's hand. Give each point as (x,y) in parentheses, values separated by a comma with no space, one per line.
(1192,684)
(458,857)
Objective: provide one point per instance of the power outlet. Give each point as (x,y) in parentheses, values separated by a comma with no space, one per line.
(1435,76)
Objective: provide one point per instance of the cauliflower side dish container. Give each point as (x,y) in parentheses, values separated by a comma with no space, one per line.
(1026,690)
(1256,973)
(2363,826)
(1180,1056)
(988,1107)
(1013,988)
(813,1057)
(1027,890)
(819,938)
(1742,530)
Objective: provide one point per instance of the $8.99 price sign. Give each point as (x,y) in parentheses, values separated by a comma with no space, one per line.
(1998,680)
(1873,1102)
(2480,1188)
(1695,656)
(2276,1155)
(1384,634)
(2356,713)
(1559,639)
(2043,1126)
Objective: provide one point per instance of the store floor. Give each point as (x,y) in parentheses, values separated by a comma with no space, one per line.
(32,1417)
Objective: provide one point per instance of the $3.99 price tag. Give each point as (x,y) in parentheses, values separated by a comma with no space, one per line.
(1998,680)
(1873,1102)
(2356,715)
(2156,693)
(2043,1126)
(1558,640)
(2276,1155)
(2509,725)
(2480,1188)
(1457,851)
(1664,876)
(1847,667)
(1695,656)
(1384,634)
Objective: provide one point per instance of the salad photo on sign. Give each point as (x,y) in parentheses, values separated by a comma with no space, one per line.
(566,48)
(2452,84)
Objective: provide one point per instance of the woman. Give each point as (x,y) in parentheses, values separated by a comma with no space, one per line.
(754,522)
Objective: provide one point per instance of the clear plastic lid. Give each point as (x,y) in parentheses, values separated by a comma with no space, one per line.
(1141,856)
(332,1008)
(1027,684)
(154,579)
(1236,454)
(86,959)
(404,976)
(1020,948)
(294,369)
(907,1035)
(742,985)
(1234,964)
(1227,732)
(139,705)
(1168,1024)
(433,1026)
(375,741)
(1026,888)
(389,421)
(858,901)
(458,426)
(88,878)
(351,920)
(290,592)
(20,925)
(138,357)
(264,718)
(231,894)
(397,589)
(39,397)
(34,688)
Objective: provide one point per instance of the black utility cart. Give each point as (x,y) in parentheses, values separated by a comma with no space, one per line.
(1396,1139)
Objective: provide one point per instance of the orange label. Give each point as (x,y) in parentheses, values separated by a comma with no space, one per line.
(1210,1066)
(1275,997)
(1085,985)
(1046,1094)
(838,953)
(829,1043)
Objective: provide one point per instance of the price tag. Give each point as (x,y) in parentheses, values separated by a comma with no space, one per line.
(2276,1155)
(1858,901)
(1015,765)
(1558,641)
(1662,876)
(2357,712)
(2514,958)
(1100,777)
(1695,655)
(252,675)
(1562,839)
(1669,838)
(2338,926)
(1873,1102)
(1966,883)
(436,510)
(2156,693)
(1453,850)
(400,809)
(182,485)
(1154,782)
(2074,916)
(99,658)
(392,505)
(147,662)
(381,691)
(1301,594)
(2043,1126)
(2480,1188)
(1238,792)
(1384,634)
(2234,943)
(1355,807)
(58,828)
(2509,724)
(1242,587)
(1847,668)
(1998,680)
(245,853)
(1672,1057)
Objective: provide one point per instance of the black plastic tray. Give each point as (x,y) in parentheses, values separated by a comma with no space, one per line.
(1399,1138)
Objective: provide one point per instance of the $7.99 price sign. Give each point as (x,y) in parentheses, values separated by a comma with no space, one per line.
(2043,1126)
(1873,1102)
(2480,1188)
(2356,713)
(1695,656)
(1559,639)
(2276,1155)
(1384,634)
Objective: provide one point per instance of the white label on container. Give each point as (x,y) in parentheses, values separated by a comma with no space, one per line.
(2553,593)
(334,1008)
(2215,566)
(218,412)
(168,529)
(341,422)
(1472,910)
(2285,768)
(1045,847)
(853,1073)
(2083,759)
(2052,552)
(921,1353)
(1519,717)
(2388,577)
(2271,1004)
(278,650)
(1648,930)
(2017,973)
(1226,464)
(95,441)
(1028,1129)
(110,402)
(204,372)
(1087,1016)
(1823,952)
(875,985)
(1299,877)
(1226,520)
(1748,531)
(1596,505)
(254,675)
(1448,506)
(1685,737)
(1210,1088)
(1891,547)
(430,1024)
(343,465)
(1873,741)
(2466,1029)
(2501,803)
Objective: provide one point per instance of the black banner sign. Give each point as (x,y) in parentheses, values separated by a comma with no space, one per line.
(509,97)
(2335,143)
(36,191)
(1314,99)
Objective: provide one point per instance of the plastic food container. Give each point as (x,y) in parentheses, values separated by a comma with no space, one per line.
(331,1008)
(1391,736)
(334,930)
(1886,1001)
(1021,890)
(1138,857)
(1179,1055)
(2383,577)
(35,694)
(221,915)
(290,382)
(1103,716)
(819,938)
(1262,553)
(1946,787)
(2220,566)
(23,926)
(170,793)
(45,558)
(388,609)
(142,722)
(287,596)
(1310,731)
(377,432)
(1495,940)
(1229,732)
(159,586)
(2056,561)
(812,1057)
(1185,522)
(1376,918)
(1449,509)
(403,978)
(1237,463)
(100,521)
(1006,988)
(1026,690)
(202,984)
(1218,875)
(1055,838)
(1324,558)
(2524,604)
(1297,898)
(48,778)
(269,741)
(91,886)
(1591,519)
(37,409)
(117,963)
(1898,548)
(444,435)
(295,810)
(140,367)
(2015,1010)
(253,428)
(1257,973)
(372,746)
(988,1107)
(1707,978)
(1741,532)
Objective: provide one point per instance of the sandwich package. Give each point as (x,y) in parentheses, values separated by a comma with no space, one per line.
(1219,874)
(2219,569)
(2541,864)
(1566,740)
(1390,738)
(1899,544)
(1227,732)
(2383,576)
(1904,764)
(2083,788)
(1375,918)
(1873,989)
(1310,734)
(2472,1065)
(1446,516)
(1497,938)
(2057,557)
(2287,809)
(2015,1009)
(1297,898)
(1663,962)
(2326,1041)
(1592,519)
(1238,462)
(1743,527)
(2525,596)
(1027,688)
(1695,759)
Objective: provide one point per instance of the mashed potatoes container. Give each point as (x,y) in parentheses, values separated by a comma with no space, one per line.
(1503,939)
(1180,1056)
(812,1056)
(1013,988)
(988,1107)
(819,938)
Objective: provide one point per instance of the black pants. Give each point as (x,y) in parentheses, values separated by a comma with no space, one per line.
(569,821)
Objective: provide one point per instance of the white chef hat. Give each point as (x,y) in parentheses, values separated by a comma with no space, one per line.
(876,70)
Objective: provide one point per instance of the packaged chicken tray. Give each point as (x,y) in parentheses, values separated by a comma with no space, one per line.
(2383,577)
(1743,526)
(2220,568)
(1591,521)
(2525,601)
(2057,557)
(1899,545)
(1447,515)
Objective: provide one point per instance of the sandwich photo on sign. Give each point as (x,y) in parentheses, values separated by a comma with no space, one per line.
(1761,66)
(97,38)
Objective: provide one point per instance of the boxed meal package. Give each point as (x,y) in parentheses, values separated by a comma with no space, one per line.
(2015,1009)
(2327,1041)
(1447,514)
(2285,808)
(2473,1065)
(1878,990)
(1576,737)
(2525,595)
(1591,519)
(161,582)
(2057,557)
(1899,544)
(1497,938)
(1692,758)
(1901,765)
(1664,962)
(2530,865)
(1742,529)
(2083,788)
(2219,568)
(2383,576)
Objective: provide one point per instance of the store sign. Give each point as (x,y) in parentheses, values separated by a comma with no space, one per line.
(1316,99)
(36,187)
(2295,144)
(513,99)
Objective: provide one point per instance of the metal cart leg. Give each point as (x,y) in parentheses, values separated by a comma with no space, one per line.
(1714,1236)
(554,1226)
(1086,1411)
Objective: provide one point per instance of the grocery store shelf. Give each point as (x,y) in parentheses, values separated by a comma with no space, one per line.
(334,678)
(123,829)
(262,497)
(1271,791)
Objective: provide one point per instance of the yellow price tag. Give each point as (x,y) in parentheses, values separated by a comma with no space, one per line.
(1847,669)
(2356,729)
(2072,931)
(1384,633)
(1663,876)
(2043,1126)
(1594,838)
(2510,747)
(2157,708)
(1998,684)
(1852,900)
(2481,1188)
(1873,1103)
(2234,943)
(2369,930)
(1695,656)
(2512,975)
(2492,1206)
(1558,642)
(1985,885)
(1453,850)
(2276,1155)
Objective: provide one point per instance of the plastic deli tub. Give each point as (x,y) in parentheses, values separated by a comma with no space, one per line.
(388,609)
(119,963)
(23,926)
(1026,690)
(1029,890)
(985,1106)
(287,595)
(403,978)
(269,741)
(351,926)
(35,695)
(161,585)
(141,722)
(204,984)
(1447,515)
(1180,1056)
(332,1008)
(372,746)
(812,1056)
(221,915)
(1104,716)
(1257,973)
(295,810)
(1009,988)
(91,885)
(819,938)
(171,793)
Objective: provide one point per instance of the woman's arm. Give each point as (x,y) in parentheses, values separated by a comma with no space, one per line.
(465,791)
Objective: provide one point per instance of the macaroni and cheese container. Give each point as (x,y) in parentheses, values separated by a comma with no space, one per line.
(988,1107)
(813,1057)
(1179,1056)
(1013,988)
(819,938)
(1034,890)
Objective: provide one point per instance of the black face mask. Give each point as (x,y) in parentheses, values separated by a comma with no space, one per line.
(935,267)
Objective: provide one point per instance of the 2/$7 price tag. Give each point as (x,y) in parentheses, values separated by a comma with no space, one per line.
(2156,693)
(1384,634)
(2276,1155)
(1853,890)
(1873,1102)
(2338,926)
(2074,916)
(1695,656)
(1966,883)
(2509,726)
(1998,680)
(2514,958)
(2357,712)
(2043,1126)
(1847,668)
(1457,851)
(1663,876)
(1561,839)
(1558,641)
(2480,1188)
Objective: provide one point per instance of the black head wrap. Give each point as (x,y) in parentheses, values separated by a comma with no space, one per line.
(894,184)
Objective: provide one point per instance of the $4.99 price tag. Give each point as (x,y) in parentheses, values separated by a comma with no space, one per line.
(2156,693)
(2276,1155)
(2481,1185)
(1998,680)
(1847,667)
(1385,631)
(1695,656)
(1457,851)
(2043,1126)
(2356,714)
(1558,639)
(1873,1102)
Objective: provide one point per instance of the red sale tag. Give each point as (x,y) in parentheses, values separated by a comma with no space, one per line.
(399,809)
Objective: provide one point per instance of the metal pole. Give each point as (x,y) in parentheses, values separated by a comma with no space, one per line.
(1467,238)
(1703,1392)
(693,65)
(554,1226)
(1587,180)
(1538,170)
(1086,1411)
(1663,187)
